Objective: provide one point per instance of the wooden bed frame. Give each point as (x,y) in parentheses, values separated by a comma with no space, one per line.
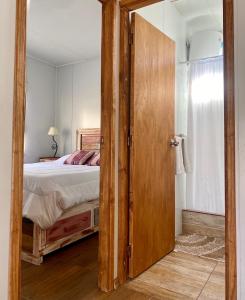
(37,242)
(72,226)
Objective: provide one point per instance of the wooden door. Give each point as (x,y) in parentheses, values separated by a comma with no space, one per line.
(152,172)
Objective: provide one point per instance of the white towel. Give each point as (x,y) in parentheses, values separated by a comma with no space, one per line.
(180,169)
(186,160)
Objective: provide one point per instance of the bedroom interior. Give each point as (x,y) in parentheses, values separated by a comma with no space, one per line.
(185,190)
(62,140)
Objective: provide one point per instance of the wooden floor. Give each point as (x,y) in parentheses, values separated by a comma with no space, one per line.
(71,273)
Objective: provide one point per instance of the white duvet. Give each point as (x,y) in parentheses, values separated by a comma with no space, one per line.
(50,188)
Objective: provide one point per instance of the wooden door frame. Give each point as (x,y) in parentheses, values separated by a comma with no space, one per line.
(126,6)
(109,83)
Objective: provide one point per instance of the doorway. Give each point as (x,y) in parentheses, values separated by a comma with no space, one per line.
(229,157)
(107,188)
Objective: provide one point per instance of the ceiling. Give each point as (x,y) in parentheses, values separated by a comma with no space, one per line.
(201,14)
(64,31)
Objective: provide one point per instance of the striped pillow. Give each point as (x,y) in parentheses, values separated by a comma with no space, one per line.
(79,157)
(94,160)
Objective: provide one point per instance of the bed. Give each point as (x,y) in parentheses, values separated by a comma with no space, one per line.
(61,202)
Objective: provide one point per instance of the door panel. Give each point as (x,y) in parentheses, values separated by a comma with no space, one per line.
(152,185)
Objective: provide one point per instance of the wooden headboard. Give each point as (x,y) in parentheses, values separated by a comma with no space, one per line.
(88,139)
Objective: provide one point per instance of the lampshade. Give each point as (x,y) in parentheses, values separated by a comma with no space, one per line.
(53,131)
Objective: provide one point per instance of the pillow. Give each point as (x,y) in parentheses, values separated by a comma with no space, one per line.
(79,157)
(62,159)
(94,160)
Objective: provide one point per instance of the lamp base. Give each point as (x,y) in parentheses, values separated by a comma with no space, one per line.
(54,146)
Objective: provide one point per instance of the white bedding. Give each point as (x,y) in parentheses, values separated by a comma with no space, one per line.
(50,188)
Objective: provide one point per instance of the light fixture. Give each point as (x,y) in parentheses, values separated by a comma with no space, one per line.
(53,131)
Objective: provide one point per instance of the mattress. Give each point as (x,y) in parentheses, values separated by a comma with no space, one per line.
(51,188)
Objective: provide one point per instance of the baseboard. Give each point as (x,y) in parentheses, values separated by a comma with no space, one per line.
(203,223)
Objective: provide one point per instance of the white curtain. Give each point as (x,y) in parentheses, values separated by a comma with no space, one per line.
(205,184)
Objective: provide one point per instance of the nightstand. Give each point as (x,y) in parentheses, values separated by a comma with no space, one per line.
(47,159)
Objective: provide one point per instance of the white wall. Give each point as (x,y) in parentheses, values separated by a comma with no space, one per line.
(166,18)
(7,37)
(40,105)
(175,28)
(240,134)
(67,97)
(205,44)
(78,101)
(153,14)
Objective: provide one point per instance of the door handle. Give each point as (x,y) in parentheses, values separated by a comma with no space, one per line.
(174,143)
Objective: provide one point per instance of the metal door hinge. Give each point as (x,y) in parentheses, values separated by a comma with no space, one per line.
(129,250)
(102,140)
(130,200)
(130,140)
(131,39)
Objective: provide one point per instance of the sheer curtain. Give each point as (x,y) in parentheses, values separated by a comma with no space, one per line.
(205,184)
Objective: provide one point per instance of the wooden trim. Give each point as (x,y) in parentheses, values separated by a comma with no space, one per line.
(136,4)
(107,167)
(230,218)
(17,152)
(230,165)
(123,234)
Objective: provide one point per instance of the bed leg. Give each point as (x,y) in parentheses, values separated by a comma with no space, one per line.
(33,239)
(30,258)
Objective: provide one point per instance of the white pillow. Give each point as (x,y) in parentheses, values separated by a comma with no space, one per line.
(61,160)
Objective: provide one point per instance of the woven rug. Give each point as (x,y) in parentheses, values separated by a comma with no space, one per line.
(203,246)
